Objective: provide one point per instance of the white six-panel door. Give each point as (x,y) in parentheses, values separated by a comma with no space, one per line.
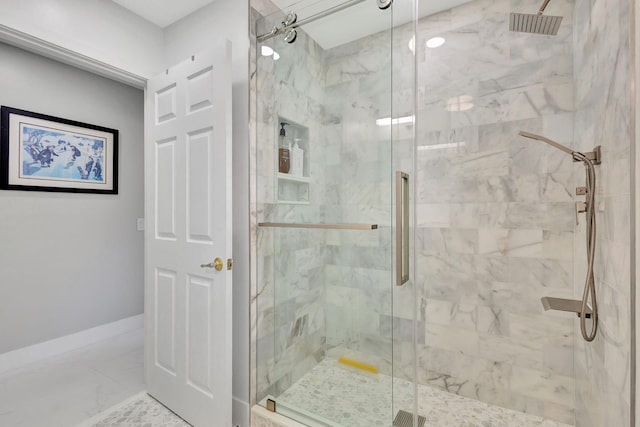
(188,224)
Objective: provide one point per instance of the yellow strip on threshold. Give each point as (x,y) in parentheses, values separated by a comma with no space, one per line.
(359,365)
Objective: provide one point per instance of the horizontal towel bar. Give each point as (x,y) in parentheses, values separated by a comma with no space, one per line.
(321,226)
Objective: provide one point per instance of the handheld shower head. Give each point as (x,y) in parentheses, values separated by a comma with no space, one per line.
(594,156)
(588,207)
(548,141)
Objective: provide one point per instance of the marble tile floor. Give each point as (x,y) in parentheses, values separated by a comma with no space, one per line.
(68,389)
(140,410)
(344,396)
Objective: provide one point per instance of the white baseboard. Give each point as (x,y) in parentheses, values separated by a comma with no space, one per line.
(23,356)
(240,413)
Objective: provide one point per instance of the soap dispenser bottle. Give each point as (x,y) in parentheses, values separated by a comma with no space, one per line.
(284,162)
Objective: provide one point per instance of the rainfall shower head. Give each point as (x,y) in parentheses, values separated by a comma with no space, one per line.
(536,23)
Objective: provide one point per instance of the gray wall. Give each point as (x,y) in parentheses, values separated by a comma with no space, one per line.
(69,262)
(193,34)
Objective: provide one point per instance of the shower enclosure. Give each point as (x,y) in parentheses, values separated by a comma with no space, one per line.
(404,233)
(335,306)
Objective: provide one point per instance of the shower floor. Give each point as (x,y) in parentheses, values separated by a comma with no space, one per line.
(341,395)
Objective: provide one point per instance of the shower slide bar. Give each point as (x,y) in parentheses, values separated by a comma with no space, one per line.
(320,226)
(279,30)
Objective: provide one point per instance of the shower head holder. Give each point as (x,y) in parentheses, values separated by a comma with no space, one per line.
(595,156)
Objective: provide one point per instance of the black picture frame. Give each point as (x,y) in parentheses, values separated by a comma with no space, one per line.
(39,152)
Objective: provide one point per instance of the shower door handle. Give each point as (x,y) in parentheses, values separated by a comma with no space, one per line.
(402,228)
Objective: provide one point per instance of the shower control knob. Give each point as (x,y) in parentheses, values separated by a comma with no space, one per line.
(581,207)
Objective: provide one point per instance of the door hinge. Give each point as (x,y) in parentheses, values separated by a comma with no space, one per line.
(230,264)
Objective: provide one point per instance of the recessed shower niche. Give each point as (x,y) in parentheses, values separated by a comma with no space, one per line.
(292,168)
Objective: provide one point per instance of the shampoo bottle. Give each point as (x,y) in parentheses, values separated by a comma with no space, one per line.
(284,163)
(297,158)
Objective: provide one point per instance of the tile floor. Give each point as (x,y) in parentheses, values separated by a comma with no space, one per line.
(139,411)
(68,389)
(344,396)
(102,385)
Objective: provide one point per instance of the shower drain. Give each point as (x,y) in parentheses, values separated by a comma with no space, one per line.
(405,419)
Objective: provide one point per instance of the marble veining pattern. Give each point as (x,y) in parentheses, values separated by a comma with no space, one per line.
(345,396)
(495,212)
(604,107)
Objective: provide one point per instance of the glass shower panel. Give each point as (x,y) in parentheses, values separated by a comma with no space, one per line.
(326,147)
(496,212)
(407,332)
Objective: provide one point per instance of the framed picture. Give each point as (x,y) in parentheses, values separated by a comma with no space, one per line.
(45,153)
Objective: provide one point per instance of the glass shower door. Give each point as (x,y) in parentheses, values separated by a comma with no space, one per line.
(328,328)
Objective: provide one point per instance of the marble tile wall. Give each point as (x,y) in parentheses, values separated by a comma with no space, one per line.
(359,187)
(494,214)
(288,294)
(604,110)
(494,211)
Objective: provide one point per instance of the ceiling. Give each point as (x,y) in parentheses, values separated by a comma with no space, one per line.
(163,12)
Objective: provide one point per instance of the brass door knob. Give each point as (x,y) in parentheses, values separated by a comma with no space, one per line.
(216,263)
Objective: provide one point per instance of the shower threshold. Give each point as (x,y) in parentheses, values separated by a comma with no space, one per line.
(334,395)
